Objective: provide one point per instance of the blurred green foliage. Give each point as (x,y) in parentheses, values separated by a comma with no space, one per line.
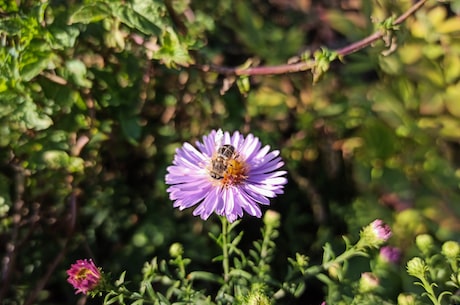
(96,95)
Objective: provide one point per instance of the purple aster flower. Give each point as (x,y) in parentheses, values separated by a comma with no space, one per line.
(84,276)
(226,174)
(390,254)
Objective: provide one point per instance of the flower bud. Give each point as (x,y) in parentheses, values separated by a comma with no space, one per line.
(368,282)
(301,259)
(424,243)
(257,298)
(406,299)
(335,270)
(390,255)
(451,250)
(381,230)
(375,234)
(416,267)
(272,219)
(176,250)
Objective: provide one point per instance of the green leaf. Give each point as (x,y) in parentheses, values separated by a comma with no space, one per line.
(11,26)
(64,37)
(35,65)
(90,13)
(206,276)
(56,159)
(449,26)
(241,273)
(138,302)
(33,119)
(130,126)
(77,70)
(172,51)
(452,98)
(121,279)
(154,11)
(134,20)
(345,25)
(455,6)
(110,299)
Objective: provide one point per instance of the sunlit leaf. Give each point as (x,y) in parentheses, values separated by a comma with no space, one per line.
(77,70)
(90,13)
(133,19)
(449,26)
(452,100)
(35,65)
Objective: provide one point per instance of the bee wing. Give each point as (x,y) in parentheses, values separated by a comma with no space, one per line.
(219,138)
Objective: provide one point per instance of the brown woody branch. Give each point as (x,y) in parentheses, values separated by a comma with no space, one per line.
(307,65)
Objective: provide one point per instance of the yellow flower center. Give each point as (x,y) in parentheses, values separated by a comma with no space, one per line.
(235,173)
(83,274)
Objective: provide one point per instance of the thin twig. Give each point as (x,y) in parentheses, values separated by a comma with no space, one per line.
(307,65)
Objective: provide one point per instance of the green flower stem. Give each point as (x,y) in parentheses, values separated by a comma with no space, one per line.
(429,290)
(225,256)
(356,250)
(264,248)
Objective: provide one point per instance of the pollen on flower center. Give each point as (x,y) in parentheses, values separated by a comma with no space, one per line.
(82,274)
(235,173)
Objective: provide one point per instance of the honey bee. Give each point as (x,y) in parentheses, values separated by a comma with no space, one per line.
(219,162)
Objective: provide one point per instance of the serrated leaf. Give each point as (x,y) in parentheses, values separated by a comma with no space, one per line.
(154,11)
(134,20)
(90,13)
(172,51)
